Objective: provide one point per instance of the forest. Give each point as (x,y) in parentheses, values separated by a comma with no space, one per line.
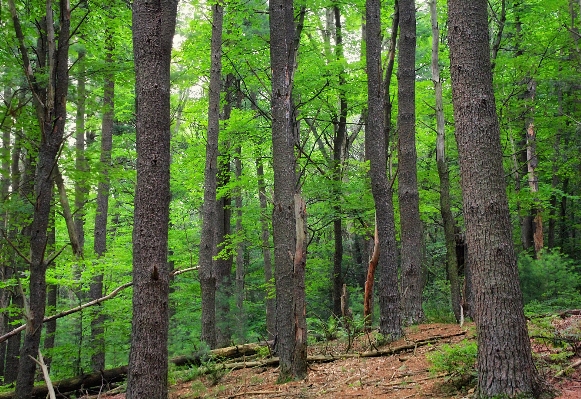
(182,176)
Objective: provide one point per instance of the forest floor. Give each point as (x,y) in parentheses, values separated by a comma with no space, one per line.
(399,376)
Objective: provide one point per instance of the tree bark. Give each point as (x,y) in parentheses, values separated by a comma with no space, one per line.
(208,243)
(498,313)
(389,300)
(289,312)
(153,29)
(339,150)
(409,209)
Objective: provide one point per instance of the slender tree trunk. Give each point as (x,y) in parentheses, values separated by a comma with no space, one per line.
(208,242)
(445,201)
(51,114)
(153,30)
(100,230)
(51,302)
(339,150)
(240,270)
(410,223)
(498,313)
(389,300)
(225,319)
(265,234)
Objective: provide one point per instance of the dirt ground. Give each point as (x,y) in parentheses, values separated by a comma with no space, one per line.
(399,376)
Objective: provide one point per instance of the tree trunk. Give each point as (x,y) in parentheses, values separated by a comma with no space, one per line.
(498,313)
(240,269)
(287,254)
(50,104)
(410,223)
(224,283)
(100,231)
(445,201)
(389,300)
(153,30)
(339,150)
(265,233)
(208,242)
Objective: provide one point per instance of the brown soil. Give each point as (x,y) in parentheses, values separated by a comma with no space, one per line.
(400,376)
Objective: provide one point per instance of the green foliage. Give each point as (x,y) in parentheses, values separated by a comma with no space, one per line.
(549,283)
(458,361)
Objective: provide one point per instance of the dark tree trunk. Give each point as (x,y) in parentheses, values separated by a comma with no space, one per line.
(498,308)
(288,257)
(442,164)
(410,223)
(224,284)
(100,230)
(50,104)
(389,299)
(240,249)
(265,234)
(51,301)
(339,149)
(153,30)
(209,225)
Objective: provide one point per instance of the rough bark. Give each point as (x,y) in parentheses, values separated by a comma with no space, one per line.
(408,194)
(389,299)
(153,30)
(505,366)
(100,230)
(442,164)
(289,315)
(208,244)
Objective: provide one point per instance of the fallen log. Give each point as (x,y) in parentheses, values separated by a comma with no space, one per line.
(118,374)
(107,377)
(273,361)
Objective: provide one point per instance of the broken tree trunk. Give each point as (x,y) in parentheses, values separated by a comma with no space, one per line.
(367,303)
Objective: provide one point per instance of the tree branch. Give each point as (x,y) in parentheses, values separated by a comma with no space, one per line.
(86,305)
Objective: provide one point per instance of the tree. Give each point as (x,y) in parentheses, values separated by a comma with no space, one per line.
(208,242)
(153,30)
(50,93)
(410,223)
(498,313)
(390,322)
(443,173)
(102,212)
(287,223)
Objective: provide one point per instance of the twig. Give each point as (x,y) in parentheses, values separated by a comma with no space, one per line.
(253,393)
